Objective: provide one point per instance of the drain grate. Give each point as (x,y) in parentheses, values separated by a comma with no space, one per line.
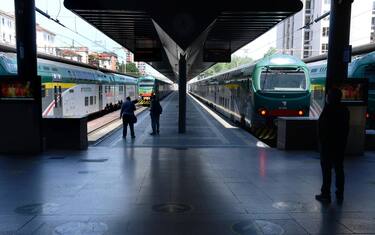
(37,209)
(94,160)
(172,208)
(56,158)
(257,227)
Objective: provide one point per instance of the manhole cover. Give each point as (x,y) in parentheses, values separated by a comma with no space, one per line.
(37,209)
(175,208)
(81,228)
(94,160)
(258,227)
(56,158)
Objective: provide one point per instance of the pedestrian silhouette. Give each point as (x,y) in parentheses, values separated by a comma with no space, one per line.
(128,117)
(333,128)
(155,111)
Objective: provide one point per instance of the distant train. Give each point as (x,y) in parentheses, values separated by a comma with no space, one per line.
(149,86)
(254,95)
(361,67)
(71,90)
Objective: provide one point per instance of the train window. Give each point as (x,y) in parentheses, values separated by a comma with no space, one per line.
(43,91)
(46,68)
(91,100)
(71,91)
(86,101)
(54,69)
(94,99)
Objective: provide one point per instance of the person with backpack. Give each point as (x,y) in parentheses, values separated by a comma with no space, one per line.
(128,117)
(155,111)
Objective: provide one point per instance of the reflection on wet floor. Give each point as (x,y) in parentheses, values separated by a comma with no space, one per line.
(223,183)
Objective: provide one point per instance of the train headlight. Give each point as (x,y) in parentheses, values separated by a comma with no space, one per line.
(367,115)
(263,112)
(301,113)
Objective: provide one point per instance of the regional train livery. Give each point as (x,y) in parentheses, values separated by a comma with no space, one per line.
(361,67)
(150,85)
(70,90)
(254,95)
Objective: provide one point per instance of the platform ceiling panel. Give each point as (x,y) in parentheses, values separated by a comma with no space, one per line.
(183,27)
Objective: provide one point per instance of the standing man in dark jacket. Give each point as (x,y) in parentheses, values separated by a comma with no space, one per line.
(333,134)
(128,117)
(155,111)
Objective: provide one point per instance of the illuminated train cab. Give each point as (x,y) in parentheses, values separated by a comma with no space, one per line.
(361,67)
(71,90)
(150,85)
(254,95)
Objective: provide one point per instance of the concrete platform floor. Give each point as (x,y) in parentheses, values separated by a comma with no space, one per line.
(212,180)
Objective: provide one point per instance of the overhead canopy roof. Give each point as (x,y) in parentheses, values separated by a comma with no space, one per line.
(159,31)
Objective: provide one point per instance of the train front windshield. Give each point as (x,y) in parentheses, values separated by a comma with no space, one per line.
(279,80)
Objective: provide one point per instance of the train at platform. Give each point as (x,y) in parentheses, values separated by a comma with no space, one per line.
(73,90)
(362,66)
(151,85)
(254,95)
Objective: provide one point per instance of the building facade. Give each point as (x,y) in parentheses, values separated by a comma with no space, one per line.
(295,39)
(45,39)
(7,29)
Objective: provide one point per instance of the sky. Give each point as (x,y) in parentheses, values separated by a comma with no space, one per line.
(100,42)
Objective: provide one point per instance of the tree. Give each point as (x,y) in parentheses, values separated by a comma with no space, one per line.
(121,67)
(270,51)
(220,67)
(131,68)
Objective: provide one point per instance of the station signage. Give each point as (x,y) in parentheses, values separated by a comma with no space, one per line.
(13,88)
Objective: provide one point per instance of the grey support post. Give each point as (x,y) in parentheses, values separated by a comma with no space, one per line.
(339,34)
(337,70)
(182,95)
(26,38)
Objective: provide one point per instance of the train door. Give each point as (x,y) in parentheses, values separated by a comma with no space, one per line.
(100,97)
(57,94)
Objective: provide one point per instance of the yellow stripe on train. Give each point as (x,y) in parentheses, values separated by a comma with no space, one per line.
(52,85)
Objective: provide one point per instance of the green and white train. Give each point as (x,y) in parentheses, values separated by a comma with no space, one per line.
(254,95)
(361,67)
(73,90)
(150,85)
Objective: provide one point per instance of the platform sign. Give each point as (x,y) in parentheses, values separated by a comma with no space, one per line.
(354,91)
(13,88)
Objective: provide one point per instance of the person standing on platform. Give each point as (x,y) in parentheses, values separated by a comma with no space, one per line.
(128,117)
(333,128)
(155,111)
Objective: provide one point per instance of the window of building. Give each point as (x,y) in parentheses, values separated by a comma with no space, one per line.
(324,48)
(4,37)
(3,21)
(325,31)
(327,1)
(86,101)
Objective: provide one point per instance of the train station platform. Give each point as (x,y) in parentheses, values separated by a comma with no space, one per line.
(215,179)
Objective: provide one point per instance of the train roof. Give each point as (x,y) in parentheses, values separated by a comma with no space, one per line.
(246,69)
(149,77)
(8,49)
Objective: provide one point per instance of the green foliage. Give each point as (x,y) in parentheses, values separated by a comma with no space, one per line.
(220,67)
(132,69)
(121,67)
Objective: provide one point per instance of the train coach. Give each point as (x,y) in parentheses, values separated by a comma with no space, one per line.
(361,67)
(150,85)
(72,90)
(254,95)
